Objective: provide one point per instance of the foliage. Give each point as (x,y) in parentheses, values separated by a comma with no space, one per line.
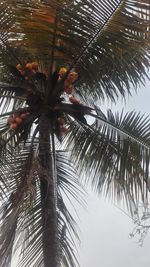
(108,45)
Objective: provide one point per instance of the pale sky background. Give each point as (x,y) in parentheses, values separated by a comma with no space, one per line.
(105,229)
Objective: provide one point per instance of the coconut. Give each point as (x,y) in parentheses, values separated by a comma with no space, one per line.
(18,120)
(68,89)
(34,65)
(29,66)
(62,71)
(73,100)
(61,121)
(18,67)
(72,77)
(13,126)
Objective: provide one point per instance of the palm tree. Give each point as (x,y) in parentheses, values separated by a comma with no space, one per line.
(48,47)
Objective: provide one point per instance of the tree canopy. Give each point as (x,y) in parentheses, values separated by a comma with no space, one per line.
(58,62)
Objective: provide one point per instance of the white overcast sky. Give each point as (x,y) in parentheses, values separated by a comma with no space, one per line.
(105,229)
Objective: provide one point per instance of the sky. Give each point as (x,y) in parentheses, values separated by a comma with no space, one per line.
(105,229)
(105,238)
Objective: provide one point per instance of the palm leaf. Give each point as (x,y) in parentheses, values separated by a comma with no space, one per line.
(114,38)
(108,43)
(115,154)
(22,209)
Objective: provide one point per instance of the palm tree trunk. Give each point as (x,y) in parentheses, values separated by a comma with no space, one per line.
(48,197)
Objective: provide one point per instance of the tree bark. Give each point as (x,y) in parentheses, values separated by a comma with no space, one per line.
(48,197)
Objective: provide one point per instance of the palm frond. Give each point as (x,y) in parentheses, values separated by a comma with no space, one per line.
(116,59)
(21,219)
(108,44)
(16,194)
(115,154)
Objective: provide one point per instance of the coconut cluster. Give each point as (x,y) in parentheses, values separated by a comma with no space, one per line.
(16,119)
(68,84)
(31,67)
(71,78)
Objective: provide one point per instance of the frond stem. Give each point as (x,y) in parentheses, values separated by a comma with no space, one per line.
(12,112)
(120,130)
(75,61)
(11,52)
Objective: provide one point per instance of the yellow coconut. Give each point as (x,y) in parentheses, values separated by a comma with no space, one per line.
(62,71)
(18,67)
